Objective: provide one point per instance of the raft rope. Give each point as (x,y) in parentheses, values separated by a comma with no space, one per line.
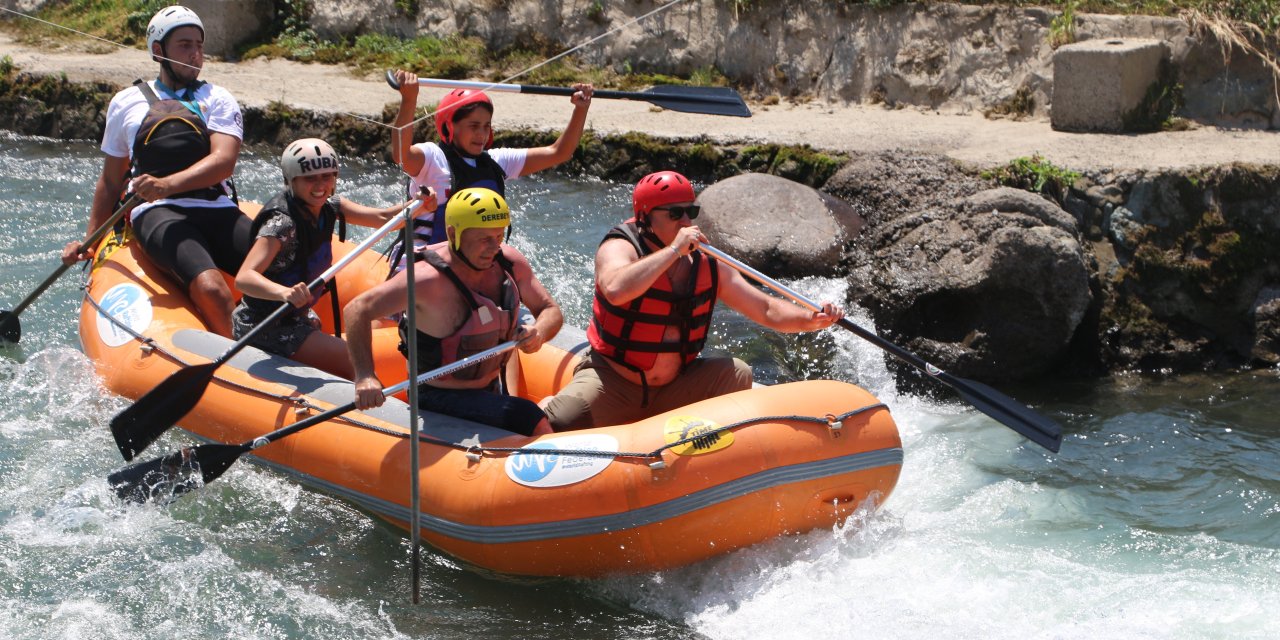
(476,451)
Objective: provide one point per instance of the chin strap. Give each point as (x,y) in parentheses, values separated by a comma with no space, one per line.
(458,254)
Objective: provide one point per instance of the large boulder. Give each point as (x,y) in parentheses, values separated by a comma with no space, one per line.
(993,288)
(883,186)
(776,225)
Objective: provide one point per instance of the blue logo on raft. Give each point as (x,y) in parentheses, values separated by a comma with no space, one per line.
(531,467)
(120,299)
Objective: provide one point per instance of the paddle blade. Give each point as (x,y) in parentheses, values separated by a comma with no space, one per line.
(141,423)
(10,327)
(162,479)
(166,478)
(716,101)
(1009,412)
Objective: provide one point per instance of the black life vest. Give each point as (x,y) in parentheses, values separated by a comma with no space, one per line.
(314,254)
(488,323)
(171,138)
(487,174)
(632,334)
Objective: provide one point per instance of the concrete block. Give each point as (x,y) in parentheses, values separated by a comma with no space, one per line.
(227,23)
(1096,82)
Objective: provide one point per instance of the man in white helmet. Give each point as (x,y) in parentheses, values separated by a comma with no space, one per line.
(173,142)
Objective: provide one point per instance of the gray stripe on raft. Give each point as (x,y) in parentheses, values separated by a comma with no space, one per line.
(614,522)
(333,390)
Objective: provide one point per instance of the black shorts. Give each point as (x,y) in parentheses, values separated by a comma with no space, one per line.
(187,241)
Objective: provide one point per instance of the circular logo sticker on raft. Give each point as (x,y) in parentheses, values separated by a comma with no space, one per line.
(556,469)
(701,430)
(126,304)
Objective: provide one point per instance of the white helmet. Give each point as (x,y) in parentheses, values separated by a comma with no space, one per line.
(307,156)
(168,19)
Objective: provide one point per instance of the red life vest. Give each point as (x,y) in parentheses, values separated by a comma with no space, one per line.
(487,324)
(632,334)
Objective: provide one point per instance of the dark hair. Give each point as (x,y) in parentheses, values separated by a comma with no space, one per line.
(464,111)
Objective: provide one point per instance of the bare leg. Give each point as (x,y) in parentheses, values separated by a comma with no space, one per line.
(213,299)
(543,428)
(327,353)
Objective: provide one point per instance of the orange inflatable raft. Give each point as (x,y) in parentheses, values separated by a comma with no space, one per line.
(675,489)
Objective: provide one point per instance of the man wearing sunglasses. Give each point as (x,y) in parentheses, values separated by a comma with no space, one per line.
(651,313)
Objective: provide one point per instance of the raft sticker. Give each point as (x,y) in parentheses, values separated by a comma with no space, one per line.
(127,304)
(553,469)
(684,427)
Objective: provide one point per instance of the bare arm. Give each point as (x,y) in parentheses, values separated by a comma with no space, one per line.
(367,216)
(775,313)
(250,280)
(208,171)
(106,193)
(547,316)
(622,276)
(402,151)
(558,152)
(358,316)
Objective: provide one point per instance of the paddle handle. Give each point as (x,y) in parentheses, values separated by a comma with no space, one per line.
(88,243)
(447,369)
(796,296)
(1006,410)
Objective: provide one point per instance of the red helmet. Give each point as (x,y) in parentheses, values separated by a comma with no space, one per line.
(449,106)
(658,189)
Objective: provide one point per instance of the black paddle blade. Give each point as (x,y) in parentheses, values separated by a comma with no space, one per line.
(166,478)
(1034,426)
(716,101)
(162,479)
(141,423)
(10,327)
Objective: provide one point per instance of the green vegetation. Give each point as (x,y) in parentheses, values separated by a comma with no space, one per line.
(1034,174)
(1062,30)
(122,21)
(1162,99)
(1020,105)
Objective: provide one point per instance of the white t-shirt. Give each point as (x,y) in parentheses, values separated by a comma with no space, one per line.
(129,107)
(435,173)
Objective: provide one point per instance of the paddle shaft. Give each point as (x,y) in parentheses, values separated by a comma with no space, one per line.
(411,340)
(146,480)
(606,94)
(89,242)
(718,100)
(1037,428)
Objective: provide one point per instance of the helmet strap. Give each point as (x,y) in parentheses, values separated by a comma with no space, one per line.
(458,254)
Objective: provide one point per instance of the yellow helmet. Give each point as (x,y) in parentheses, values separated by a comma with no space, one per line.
(475,208)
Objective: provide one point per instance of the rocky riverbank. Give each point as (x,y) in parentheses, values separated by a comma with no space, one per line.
(1157,255)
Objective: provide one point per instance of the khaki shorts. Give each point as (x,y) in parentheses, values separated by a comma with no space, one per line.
(597,396)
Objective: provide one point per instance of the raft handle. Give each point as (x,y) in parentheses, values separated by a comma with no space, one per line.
(835,425)
(658,464)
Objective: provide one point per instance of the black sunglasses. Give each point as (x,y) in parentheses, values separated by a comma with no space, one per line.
(679,212)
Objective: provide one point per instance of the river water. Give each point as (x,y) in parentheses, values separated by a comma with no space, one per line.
(1160,518)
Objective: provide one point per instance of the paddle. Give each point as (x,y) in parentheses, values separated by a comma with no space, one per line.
(10,326)
(142,422)
(171,475)
(1009,412)
(715,101)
